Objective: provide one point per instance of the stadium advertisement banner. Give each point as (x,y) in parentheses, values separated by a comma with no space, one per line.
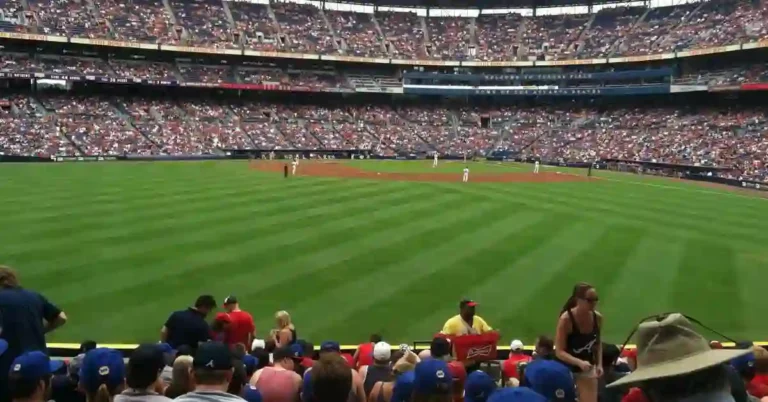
(263,87)
(497,64)
(89,158)
(755,45)
(115,43)
(426,62)
(709,50)
(760,86)
(687,88)
(380,90)
(552,91)
(199,49)
(355,59)
(650,57)
(575,62)
(724,88)
(620,75)
(42,38)
(282,55)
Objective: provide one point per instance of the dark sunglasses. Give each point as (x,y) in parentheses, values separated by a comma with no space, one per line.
(661,317)
(591,299)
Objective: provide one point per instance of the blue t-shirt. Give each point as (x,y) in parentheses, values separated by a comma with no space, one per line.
(21,325)
(187,327)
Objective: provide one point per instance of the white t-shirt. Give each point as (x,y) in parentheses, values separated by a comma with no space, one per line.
(466,170)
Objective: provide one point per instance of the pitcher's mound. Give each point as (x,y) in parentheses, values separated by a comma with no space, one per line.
(335,169)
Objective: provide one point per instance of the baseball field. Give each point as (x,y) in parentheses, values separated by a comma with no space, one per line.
(357,247)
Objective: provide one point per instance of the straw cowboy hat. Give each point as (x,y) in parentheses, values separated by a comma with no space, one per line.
(670,347)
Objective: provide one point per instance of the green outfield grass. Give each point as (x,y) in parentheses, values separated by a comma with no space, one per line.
(120,245)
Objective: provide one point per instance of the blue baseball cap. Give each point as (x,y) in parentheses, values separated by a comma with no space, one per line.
(551,379)
(166,348)
(102,366)
(479,387)
(330,346)
(403,387)
(250,363)
(744,363)
(519,394)
(251,394)
(432,376)
(3,346)
(34,365)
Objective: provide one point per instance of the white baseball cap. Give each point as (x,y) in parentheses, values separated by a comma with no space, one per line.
(382,351)
(516,345)
(258,344)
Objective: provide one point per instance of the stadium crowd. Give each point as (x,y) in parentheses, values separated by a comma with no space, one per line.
(58,124)
(211,353)
(305,28)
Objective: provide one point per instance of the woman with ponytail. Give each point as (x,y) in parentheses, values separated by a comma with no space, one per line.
(577,340)
(102,375)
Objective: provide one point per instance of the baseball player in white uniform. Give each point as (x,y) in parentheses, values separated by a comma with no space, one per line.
(434,161)
(294,164)
(466,175)
(536,167)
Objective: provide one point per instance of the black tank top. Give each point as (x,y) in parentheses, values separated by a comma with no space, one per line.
(374,375)
(293,336)
(582,345)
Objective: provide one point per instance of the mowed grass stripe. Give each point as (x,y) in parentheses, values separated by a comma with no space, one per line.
(204,215)
(656,201)
(160,216)
(509,242)
(235,231)
(712,265)
(447,264)
(646,278)
(751,277)
(133,199)
(283,264)
(663,226)
(509,291)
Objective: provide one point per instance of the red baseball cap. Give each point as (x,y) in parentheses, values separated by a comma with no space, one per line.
(467,302)
(630,353)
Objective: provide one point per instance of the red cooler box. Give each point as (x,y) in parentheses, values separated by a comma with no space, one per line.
(474,347)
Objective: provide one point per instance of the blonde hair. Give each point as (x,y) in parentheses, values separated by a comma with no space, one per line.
(8,277)
(283,319)
(103,394)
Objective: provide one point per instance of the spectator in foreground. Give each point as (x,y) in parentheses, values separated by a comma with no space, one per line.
(577,340)
(143,379)
(211,373)
(285,333)
(551,379)
(544,348)
(516,356)
(25,317)
(65,388)
(479,387)
(520,394)
(675,363)
(745,366)
(611,354)
(242,329)
(102,375)
(384,391)
(29,379)
(432,382)
(364,354)
(181,380)
(380,370)
(220,328)
(333,348)
(280,383)
(466,322)
(188,327)
(331,380)
(239,378)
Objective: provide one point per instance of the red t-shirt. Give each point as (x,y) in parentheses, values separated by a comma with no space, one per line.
(365,355)
(242,325)
(509,366)
(349,359)
(757,388)
(634,395)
